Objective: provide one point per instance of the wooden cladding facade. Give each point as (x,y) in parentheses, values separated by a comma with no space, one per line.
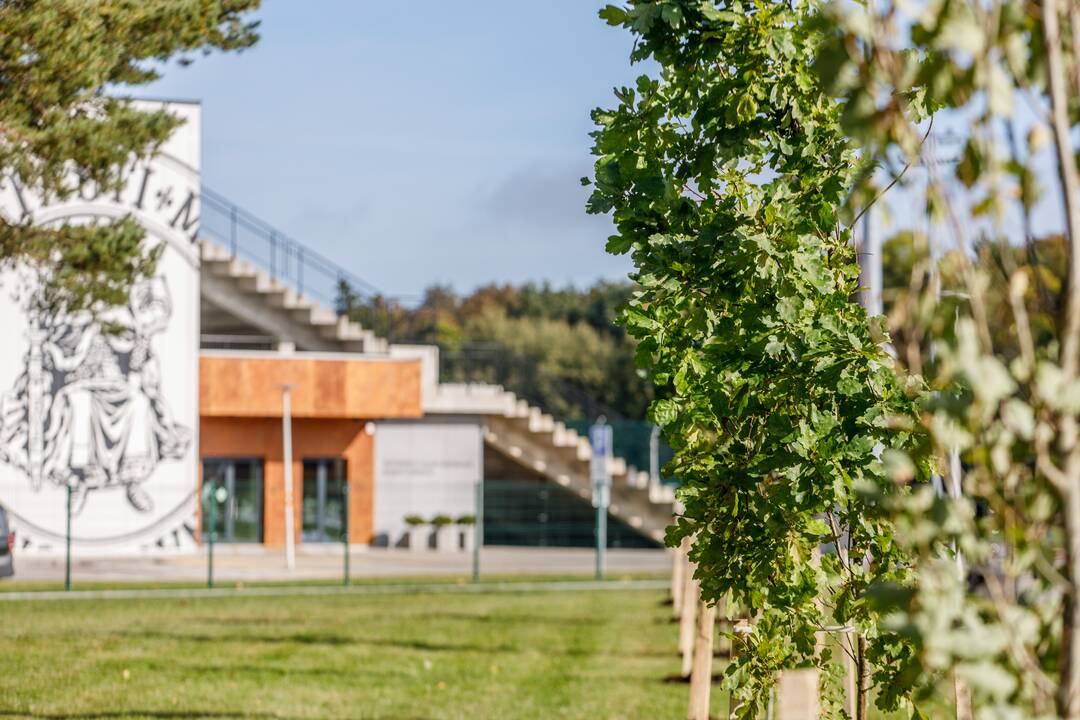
(332,402)
(250,386)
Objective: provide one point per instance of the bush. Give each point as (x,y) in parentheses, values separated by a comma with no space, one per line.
(414,520)
(442,520)
(466,520)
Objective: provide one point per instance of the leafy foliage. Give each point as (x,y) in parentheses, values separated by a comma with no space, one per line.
(560,347)
(997,566)
(59,132)
(726,175)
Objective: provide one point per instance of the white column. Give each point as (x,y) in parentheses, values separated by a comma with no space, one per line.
(286,439)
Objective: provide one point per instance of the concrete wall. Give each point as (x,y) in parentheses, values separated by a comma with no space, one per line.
(114,417)
(424,468)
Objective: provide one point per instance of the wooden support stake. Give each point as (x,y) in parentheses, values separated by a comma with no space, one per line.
(963,700)
(797,695)
(678,577)
(741,630)
(687,623)
(852,692)
(701,673)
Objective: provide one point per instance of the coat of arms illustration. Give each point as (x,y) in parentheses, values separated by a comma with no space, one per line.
(88,410)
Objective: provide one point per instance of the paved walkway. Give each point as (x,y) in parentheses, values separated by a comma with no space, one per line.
(252,564)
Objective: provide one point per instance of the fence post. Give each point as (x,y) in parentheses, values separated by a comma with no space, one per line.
(211,536)
(345,530)
(701,673)
(67,544)
(300,270)
(478,528)
(232,230)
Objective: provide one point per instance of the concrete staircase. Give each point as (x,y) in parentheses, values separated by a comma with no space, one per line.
(251,296)
(546,446)
(242,297)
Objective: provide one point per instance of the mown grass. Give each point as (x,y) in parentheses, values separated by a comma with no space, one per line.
(558,654)
(541,655)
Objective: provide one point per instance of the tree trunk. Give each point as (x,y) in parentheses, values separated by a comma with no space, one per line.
(701,673)
(1069,688)
(1070,182)
(687,623)
(862,681)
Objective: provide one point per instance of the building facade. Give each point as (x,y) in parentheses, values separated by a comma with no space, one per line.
(228,378)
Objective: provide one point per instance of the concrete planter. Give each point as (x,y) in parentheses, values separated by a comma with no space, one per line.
(466,537)
(445,538)
(418,537)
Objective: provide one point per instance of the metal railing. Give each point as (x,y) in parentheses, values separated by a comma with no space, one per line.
(248,237)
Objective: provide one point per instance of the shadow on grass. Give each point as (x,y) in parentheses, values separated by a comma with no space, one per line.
(159,715)
(162,714)
(335,640)
(319,639)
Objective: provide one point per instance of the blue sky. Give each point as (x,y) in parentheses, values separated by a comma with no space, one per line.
(418,142)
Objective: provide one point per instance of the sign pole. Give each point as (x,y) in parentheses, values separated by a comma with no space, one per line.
(478,510)
(600,437)
(601,540)
(67,544)
(286,439)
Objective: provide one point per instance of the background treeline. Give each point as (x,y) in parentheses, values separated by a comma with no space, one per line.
(559,348)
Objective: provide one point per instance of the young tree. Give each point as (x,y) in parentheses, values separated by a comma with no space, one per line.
(726,176)
(59,130)
(997,593)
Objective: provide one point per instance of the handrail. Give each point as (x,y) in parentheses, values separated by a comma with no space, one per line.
(286,260)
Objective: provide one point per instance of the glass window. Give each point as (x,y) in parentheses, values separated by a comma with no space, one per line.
(239,518)
(324,507)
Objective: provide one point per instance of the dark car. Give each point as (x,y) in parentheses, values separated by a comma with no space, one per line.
(7,546)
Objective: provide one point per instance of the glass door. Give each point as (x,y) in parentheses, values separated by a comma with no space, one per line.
(240,517)
(324,500)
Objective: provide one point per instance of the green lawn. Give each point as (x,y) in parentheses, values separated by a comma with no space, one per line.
(599,654)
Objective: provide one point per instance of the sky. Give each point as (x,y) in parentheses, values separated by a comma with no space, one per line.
(417,142)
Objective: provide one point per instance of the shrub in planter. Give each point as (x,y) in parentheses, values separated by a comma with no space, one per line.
(444,535)
(417,532)
(466,532)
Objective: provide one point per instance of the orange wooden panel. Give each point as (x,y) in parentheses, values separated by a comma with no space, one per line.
(246,386)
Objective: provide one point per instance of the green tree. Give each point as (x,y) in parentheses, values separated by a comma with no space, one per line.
(726,176)
(1000,415)
(59,130)
(561,348)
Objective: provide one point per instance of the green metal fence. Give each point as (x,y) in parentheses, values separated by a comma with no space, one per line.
(532,513)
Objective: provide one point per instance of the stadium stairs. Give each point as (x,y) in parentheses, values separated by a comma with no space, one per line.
(243,300)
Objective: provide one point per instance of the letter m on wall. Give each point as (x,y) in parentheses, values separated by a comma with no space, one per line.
(188,225)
